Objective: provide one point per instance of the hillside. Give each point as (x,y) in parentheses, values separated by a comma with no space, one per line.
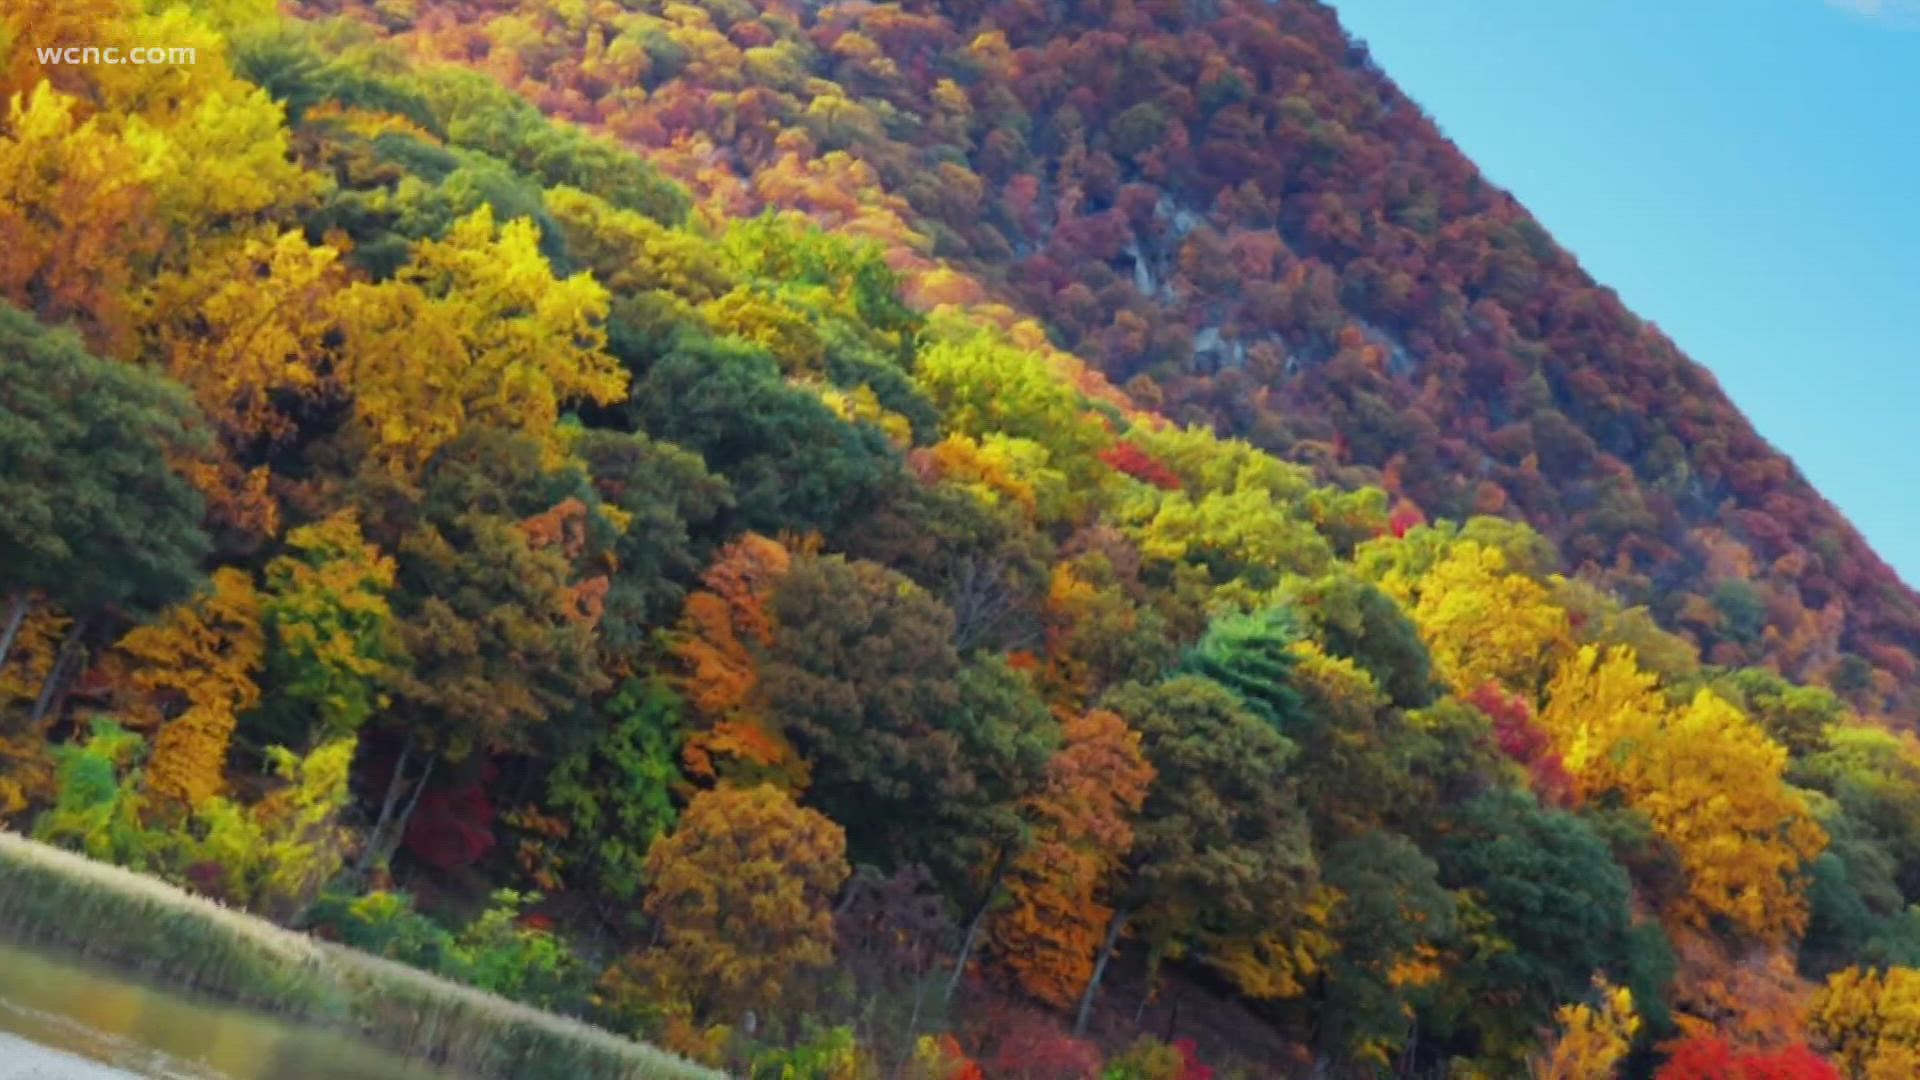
(1228,209)
(931,541)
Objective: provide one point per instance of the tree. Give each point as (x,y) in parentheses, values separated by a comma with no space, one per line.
(1796,717)
(244,327)
(1390,919)
(96,517)
(492,600)
(1592,1039)
(1708,779)
(1874,776)
(499,588)
(1714,788)
(616,795)
(1870,1021)
(792,464)
(1049,932)
(1006,736)
(862,676)
(475,329)
(1355,619)
(332,644)
(719,643)
(1485,624)
(196,666)
(741,889)
(1252,655)
(1709,1057)
(273,857)
(1221,849)
(98,805)
(1594,702)
(1361,761)
(984,387)
(665,501)
(74,212)
(1557,905)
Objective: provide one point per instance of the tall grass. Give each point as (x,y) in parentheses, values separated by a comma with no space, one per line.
(54,897)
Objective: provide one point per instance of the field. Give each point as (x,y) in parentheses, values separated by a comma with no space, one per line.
(53,897)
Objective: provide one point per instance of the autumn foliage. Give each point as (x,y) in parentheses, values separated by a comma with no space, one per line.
(953,540)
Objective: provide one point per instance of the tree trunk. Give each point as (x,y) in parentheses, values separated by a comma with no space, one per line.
(367,853)
(50,689)
(379,848)
(398,829)
(972,936)
(1114,926)
(399,832)
(913,1024)
(16,617)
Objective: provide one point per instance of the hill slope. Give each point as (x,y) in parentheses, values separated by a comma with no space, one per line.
(1227,208)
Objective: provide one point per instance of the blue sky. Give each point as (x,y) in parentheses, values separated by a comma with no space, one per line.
(1745,173)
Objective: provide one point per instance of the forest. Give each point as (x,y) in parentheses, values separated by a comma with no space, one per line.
(1022,539)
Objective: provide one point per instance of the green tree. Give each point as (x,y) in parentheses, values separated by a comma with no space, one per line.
(1391,917)
(332,644)
(1252,656)
(616,793)
(922,756)
(791,462)
(96,517)
(1556,910)
(1353,618)
(1221,849)
(665,503)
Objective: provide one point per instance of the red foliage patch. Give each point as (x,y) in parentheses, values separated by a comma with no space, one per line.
(1135,462)
(453,827)
(1523,741)
(1708,1057)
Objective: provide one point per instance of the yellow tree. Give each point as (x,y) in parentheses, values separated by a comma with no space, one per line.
(1596,705)
(1484,624)
(1713,786)
(742,891)
(274,856)
(1591,1041)
(217,159)
(244,325)
(1870,1022)
(196,664)
(1709,781)
(73,213)
(475,328)
(334,640)
(27,26)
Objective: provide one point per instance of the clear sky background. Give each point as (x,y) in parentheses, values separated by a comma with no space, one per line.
(1744,173)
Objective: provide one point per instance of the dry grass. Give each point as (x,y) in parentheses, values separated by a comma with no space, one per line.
(51,896)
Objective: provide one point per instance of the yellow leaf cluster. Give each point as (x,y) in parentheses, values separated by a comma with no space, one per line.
(202,655)
(998,469)
(476,329)
(73,214)
(1591,1041)
(1484,624)
(1870,1021)
(1709,780)
(245,323)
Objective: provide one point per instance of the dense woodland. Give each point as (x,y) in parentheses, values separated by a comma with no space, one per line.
(1029,540)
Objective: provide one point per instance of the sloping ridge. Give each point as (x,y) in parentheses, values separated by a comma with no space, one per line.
(1228,208)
